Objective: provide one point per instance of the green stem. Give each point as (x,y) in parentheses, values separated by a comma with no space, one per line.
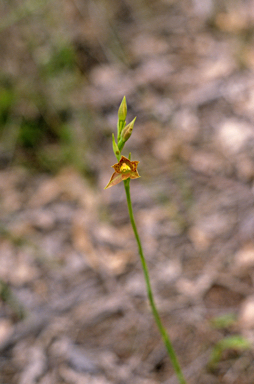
(156,315)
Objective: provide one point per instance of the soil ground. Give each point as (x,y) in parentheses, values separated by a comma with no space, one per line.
(73,304)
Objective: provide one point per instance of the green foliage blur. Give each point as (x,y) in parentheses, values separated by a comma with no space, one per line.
(234,343)
(41,126)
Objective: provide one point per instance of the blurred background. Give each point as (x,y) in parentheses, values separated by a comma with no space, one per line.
(73,305)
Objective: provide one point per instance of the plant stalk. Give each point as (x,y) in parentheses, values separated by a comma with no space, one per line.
(163,332)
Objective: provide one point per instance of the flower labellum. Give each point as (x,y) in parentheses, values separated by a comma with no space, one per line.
(124,170)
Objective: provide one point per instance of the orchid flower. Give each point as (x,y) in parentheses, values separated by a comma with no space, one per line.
(124,170)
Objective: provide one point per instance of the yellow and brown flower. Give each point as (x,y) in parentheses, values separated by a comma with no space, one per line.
(124,170)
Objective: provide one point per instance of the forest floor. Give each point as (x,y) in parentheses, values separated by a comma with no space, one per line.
(73,304)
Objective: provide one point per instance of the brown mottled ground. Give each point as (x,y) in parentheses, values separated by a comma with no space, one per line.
(73,302)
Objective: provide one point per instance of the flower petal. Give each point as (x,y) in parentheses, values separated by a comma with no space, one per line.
(134,165)
(126,175)
(134,175)
(115,179)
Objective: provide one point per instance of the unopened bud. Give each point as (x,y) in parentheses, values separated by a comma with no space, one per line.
(127,131)
(122,111)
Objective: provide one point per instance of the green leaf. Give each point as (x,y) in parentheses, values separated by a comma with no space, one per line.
(224,321)
(115,148)
(235,342)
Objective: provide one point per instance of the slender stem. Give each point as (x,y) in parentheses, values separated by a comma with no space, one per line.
(156,315)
